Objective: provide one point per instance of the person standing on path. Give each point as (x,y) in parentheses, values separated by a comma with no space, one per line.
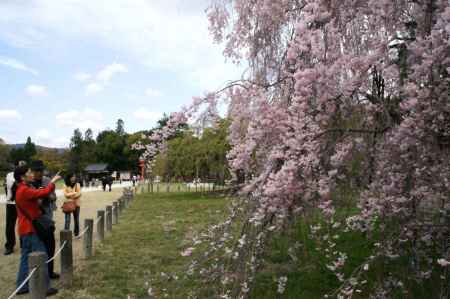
(48,206)
(27,202)
(11,213)
(72,192)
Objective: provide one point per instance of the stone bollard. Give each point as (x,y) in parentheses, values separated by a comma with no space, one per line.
(115,213)
(66,257)
(109,217)
(38,282)
(101,225)
(88,237)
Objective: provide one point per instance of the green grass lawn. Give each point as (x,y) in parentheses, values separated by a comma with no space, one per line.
(152,232)
(148,240)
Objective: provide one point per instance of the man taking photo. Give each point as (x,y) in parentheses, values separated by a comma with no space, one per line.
(48,206)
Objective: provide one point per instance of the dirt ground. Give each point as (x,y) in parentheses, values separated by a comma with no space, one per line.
(90,203)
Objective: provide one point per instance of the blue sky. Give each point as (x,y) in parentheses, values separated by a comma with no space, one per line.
(85,63)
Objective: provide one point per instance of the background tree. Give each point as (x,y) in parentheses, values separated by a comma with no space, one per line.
(88,149)
(111,149)
(76,152)
(25,152)
(120,127)
(189,156)
(29,149)
(54,160)
(5,164)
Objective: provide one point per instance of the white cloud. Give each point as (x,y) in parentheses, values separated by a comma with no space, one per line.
(44,137)
(82,76)
(106,73)
(144,114)
(16,64)
(84,119)
(36,90)
(163,35)
(154,93)
(93,88)
(10,115)
(43,133)
(102,78)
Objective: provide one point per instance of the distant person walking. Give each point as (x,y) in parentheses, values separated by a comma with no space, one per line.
(72,193)
(109,181)
(27,202)
(48,206)
(11,212)
(104,182)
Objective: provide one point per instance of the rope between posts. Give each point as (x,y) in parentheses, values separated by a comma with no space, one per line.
(34,270)
(23,283)
(57,253)
(82,233)
(98,219)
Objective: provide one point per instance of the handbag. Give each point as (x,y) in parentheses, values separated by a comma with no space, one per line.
(69,207)
(43,225)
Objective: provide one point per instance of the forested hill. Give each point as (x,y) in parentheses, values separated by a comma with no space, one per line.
(38,147)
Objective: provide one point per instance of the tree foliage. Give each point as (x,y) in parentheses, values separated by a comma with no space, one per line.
(189,156)
(24,153)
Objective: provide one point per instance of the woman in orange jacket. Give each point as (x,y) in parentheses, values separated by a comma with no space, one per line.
(72,192)
(27,203)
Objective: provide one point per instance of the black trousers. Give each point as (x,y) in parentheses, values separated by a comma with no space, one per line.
(50,248)
(10,232)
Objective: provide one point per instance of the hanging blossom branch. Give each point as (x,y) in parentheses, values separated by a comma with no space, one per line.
(342,93)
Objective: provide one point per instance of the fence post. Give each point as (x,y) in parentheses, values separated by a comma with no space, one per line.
(124,204)
(66,257)
(179,187)
(88,237)
(101,225)
(115,219)
(120,201)
(126,196)
(109,217)
(157,187)
(38,282)
(148,186)
(168,187)
(151,186)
